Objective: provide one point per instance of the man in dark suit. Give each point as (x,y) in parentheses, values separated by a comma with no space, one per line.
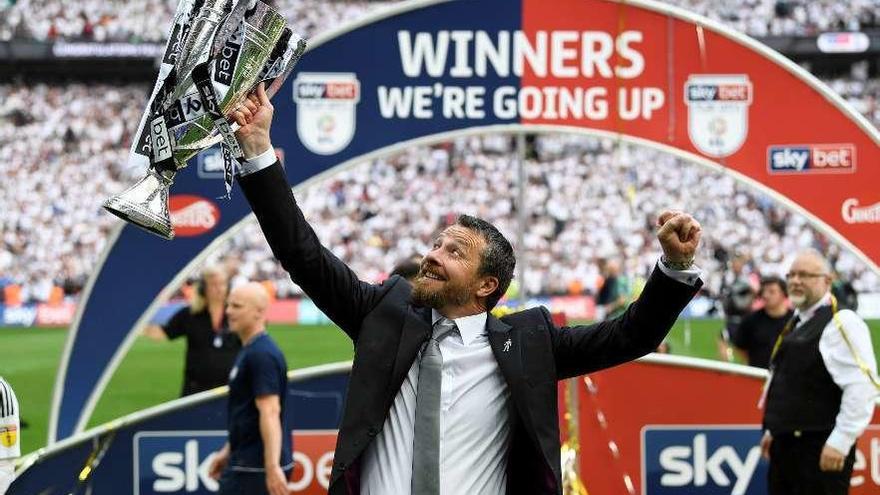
(439,385)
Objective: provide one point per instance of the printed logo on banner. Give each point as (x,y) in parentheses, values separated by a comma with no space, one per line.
(852,213)
(325,110)
(19,315)
(179,461)
(192,215)
(55,315)
(209,163)
(718,112)
(702,460)
(811,158)
(313,461)
(175,461)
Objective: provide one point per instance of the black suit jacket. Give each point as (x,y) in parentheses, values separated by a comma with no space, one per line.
(388,330)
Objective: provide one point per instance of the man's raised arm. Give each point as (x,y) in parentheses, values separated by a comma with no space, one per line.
(333,287)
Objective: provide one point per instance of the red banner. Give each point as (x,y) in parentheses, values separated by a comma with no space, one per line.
(679,425)
(313,457)
(712,94)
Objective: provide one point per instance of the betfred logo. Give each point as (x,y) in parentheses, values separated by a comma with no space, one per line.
(702,460)
(812,158)
(192,215)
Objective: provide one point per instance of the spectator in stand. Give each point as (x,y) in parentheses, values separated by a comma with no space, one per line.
(758,331)
(614,295)
(737,296)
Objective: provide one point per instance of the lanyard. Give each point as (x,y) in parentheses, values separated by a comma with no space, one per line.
(858,358)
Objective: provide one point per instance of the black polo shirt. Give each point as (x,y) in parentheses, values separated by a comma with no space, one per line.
(259,370)
(210,352)
(757,335)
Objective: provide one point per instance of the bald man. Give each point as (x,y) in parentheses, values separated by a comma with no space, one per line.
(821,391)
(258,453)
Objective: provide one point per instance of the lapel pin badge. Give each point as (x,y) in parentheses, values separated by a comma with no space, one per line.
(506,345)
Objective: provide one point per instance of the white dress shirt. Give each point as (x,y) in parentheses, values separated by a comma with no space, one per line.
(257,163)
(474,421)
(859,394)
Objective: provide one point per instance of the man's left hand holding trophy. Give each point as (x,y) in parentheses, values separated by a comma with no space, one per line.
(218,52)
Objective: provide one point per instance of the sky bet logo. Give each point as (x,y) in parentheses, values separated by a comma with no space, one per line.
(705,460)
(812,158)
(175,462)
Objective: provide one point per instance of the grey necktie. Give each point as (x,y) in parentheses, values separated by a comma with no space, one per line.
(426,430)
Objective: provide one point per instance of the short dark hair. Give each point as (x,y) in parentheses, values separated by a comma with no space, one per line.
(497,259)
(773,279)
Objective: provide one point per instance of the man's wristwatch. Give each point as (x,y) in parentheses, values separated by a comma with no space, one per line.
(676,265)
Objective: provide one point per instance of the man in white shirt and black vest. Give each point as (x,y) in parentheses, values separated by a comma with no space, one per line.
(822,388)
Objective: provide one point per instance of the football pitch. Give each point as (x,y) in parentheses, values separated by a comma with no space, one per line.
(152,372)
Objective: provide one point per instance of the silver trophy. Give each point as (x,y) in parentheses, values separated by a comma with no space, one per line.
(217,54)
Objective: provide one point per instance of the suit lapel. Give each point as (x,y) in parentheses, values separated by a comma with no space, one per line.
(415,332)
(507,348)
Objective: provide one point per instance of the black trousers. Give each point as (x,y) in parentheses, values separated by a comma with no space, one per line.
(239,483)
(794,466)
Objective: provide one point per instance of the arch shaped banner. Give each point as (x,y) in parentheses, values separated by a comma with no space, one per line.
(639,70)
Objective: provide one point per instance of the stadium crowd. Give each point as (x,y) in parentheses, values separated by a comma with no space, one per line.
(149,20)
(118,20)
(65,146)
(587,199)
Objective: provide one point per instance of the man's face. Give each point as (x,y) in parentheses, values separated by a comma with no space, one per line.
(215,287)
(808,281)
(773,296)
(242,312)
(448,275)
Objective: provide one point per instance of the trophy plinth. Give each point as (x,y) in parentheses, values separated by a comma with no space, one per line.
(145,204)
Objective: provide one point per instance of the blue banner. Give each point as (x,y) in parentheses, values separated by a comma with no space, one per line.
(166,450)
(703,461)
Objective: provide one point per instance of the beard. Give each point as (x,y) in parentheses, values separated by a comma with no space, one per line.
(798,299)
(448,294)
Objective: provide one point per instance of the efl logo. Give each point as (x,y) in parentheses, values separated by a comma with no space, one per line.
(812,158)
(326,105)
(192,215)
(704,460)
(718,112)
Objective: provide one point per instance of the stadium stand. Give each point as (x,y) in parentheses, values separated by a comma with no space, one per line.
(65,145)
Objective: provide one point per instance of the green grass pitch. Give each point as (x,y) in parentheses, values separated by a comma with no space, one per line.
(152,372)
